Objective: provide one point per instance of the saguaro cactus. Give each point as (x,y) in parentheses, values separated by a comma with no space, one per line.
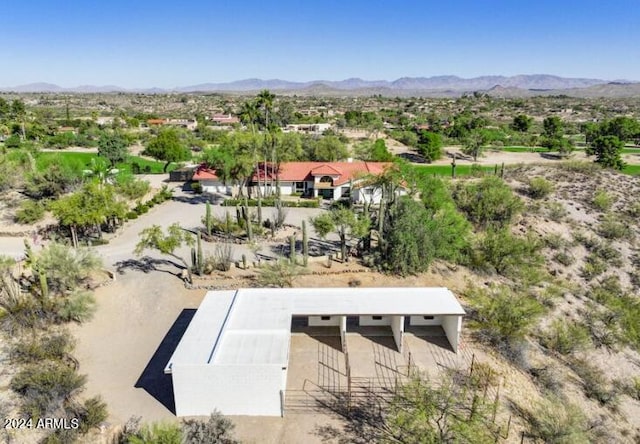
(208,220)
(292,249)
(305,244)
(200,256)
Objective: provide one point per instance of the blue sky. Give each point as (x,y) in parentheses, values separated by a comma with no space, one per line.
(139,43)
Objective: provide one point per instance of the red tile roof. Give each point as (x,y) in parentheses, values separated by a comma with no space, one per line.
(204,173)
(305,171)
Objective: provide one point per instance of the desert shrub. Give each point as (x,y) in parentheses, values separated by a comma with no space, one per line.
(593,266)
(539,187)
(554,241)
(157,433)
(196,187)
(501,316)
(279,274)
(30,212)
(130,187)
(566,337)
(632,388)
(594,384)
(612,228)
(79,306)
(487,202)
(553,420)
(578,166)
(66,268)
(549,295)
(634,210)
(634,279)
(92,412)
(44,386)
(556,211)
(547,378)
(131,215)
(52,346)
(215,430)
(504,253)
(602,200)
(564,257)
(608,253)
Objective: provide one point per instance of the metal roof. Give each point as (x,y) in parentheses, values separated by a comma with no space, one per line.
(253,326)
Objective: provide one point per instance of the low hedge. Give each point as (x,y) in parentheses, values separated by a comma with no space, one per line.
(310,203)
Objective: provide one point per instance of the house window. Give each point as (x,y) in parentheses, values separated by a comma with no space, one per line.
(376,318)
(299,187)
(325,318)
(346,192)
(428,318)
(367,191)
(326,179)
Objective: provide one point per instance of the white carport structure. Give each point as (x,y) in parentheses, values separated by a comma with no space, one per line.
(235,353)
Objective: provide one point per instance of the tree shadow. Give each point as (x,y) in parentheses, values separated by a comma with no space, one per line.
(197,199)
(412,157)
(147,264)
(153,379)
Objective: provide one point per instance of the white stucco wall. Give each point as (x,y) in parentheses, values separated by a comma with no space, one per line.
(196,389)
(210,186)
(316,321)
(397,326)
(420,320)
(452,326)
(368,320)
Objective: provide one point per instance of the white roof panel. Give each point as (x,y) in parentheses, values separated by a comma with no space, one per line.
(253,326)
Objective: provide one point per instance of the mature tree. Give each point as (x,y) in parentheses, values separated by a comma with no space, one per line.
(607,150)
(409,242)
(95,204)
(430,145)
(521,123)
(153,238)
(345,222)
(553,127)
(167,147)
(113,147)
(473,144)
(373,151)
(624,128)
(326,149)
(450,411)
(553,136)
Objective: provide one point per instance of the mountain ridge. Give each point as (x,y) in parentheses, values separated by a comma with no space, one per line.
(429,86)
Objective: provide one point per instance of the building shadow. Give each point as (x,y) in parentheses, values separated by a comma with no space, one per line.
(153,379)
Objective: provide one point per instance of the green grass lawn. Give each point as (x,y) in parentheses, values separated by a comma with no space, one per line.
(84,159)
(633,170)
(445,170)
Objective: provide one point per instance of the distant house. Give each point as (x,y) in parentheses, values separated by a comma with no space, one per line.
(224,119)
(155,122)
(190,124)
(329,180)
(307,128)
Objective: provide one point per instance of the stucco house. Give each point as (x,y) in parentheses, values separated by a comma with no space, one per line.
(329,180)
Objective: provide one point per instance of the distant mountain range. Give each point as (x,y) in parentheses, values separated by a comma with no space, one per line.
(521,85)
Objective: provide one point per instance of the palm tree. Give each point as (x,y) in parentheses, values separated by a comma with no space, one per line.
(249,114)
(265,101)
